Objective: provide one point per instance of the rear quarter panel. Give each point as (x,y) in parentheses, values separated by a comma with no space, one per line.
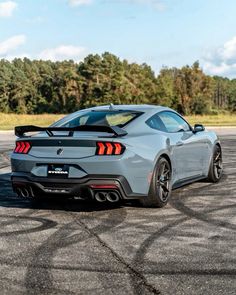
(146,149)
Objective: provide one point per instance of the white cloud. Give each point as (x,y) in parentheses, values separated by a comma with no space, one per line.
(11,44)
(228,52)
(63,52)
(7,8)
(20,55)
(79,2)
(222,61)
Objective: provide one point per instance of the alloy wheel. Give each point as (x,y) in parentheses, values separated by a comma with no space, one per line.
(218,163)
(163,181)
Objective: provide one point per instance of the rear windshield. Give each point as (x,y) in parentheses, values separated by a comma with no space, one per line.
(100,118)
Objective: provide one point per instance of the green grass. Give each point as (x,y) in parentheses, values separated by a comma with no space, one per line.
(9,121)
(213,120)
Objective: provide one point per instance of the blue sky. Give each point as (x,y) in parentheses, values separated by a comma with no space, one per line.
(158,32)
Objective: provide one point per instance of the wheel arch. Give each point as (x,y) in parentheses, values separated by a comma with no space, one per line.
(219,145)
(216,144)
(210,174)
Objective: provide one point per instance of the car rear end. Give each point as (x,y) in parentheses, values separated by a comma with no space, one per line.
(64,160)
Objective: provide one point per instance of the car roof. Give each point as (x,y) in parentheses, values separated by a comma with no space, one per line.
(146,108)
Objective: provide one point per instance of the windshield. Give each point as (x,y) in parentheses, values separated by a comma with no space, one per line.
(100,118)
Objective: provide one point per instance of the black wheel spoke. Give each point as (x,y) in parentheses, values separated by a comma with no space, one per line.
(217,163)
(166,172)
(163,182)
(217,157)
(165,189)
(162,169)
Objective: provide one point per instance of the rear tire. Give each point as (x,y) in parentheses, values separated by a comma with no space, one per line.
(216,166)
(160,187)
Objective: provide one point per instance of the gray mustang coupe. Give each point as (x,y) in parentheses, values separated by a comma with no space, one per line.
(112,153)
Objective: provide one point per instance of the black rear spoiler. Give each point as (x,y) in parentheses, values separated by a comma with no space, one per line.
(117,131)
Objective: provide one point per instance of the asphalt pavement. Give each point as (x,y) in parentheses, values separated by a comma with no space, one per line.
(75,247)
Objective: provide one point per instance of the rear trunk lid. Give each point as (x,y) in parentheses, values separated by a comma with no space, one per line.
(78,146)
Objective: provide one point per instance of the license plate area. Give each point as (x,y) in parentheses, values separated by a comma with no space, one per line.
(58,171)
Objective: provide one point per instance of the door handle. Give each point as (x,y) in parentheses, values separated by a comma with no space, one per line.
(179,143)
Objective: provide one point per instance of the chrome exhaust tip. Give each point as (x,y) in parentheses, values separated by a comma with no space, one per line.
(100,197)
(19,192)
(25,193)
(113,197)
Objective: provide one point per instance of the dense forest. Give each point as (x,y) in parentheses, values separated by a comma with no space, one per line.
(38,86)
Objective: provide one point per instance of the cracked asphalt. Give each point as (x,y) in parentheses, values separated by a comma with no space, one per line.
(75,247)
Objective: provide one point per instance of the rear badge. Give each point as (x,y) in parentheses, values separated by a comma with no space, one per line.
(58,171)
(59,151)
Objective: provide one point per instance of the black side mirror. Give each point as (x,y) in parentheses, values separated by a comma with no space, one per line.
(198,128)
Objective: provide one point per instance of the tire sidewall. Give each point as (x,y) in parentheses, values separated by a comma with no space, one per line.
(211,176)
(153,192)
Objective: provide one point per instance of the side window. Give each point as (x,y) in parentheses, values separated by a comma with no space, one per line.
(156,123)
(173,122)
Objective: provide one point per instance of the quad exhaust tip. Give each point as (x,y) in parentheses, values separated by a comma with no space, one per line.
(101,197)
(111,197)
(24,192)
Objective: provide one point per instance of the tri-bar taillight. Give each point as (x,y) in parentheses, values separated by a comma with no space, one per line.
(22,147)
(109,148)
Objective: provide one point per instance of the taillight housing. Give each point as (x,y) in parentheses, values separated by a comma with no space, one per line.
(109,148)
(22,147)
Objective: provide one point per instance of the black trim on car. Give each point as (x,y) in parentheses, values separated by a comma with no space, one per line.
(187,181)
(21,130)
(73,186)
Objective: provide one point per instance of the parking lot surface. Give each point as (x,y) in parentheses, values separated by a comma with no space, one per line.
(75,247)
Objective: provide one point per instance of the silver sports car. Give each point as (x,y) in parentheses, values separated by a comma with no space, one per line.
(112,153)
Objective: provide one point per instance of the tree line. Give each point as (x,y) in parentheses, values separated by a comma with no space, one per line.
(36,86)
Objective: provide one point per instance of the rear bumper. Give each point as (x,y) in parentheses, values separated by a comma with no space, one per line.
(70,187)
(133,167)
